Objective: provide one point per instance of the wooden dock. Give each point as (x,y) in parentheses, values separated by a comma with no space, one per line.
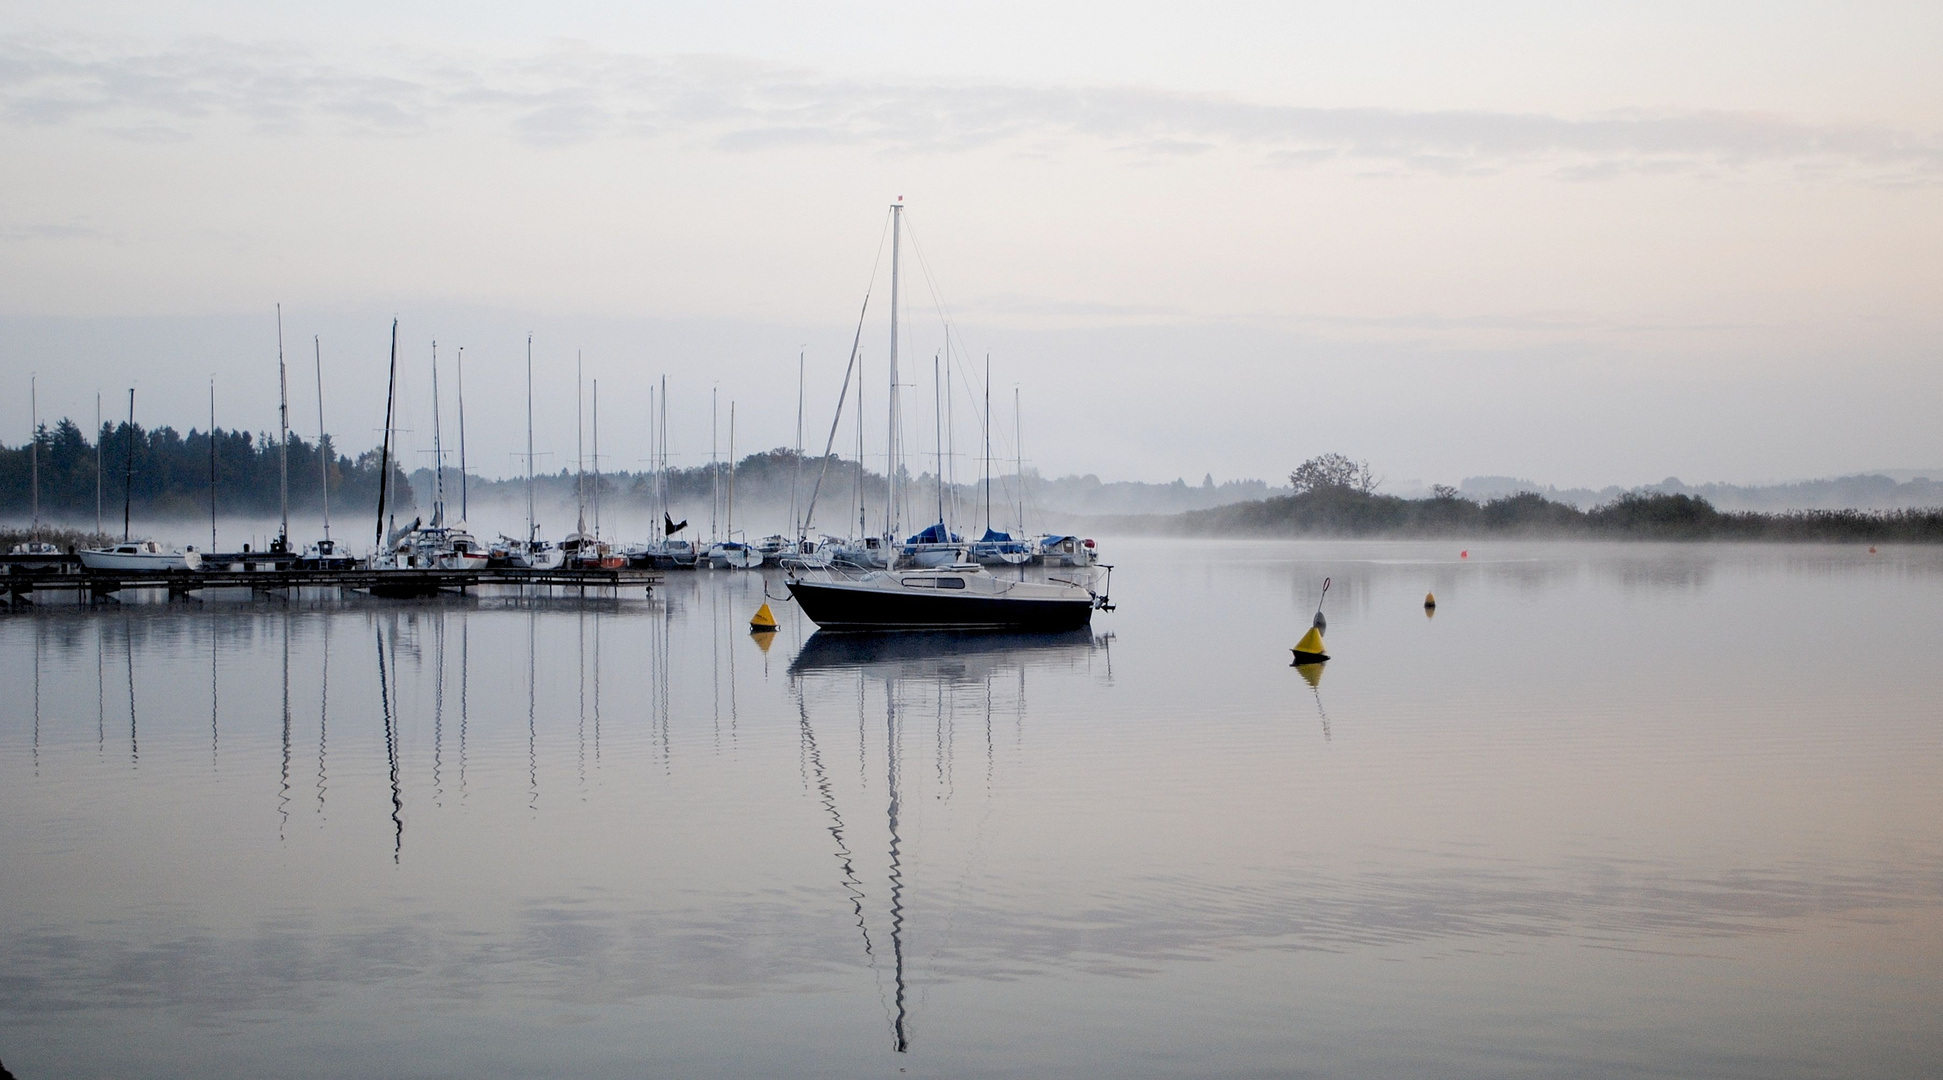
(21,583)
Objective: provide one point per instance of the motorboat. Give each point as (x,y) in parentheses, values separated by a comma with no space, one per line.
(140,555)
(325,555)
(997,548)
(772,548)
(672,554)
(733,555)
(533,554)
(867,553)
(815,554)
(960,596)
(34,556)
(457,550)
(1067,551)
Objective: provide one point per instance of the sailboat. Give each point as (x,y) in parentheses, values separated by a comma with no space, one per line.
(531,552)
(437,546)
(952,592)
(131,554)
(730,553)
(35,554)
(397,549)
(997,548)
(325,554)
(584,550)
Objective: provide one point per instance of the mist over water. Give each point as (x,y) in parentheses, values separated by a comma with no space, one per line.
(1614,810)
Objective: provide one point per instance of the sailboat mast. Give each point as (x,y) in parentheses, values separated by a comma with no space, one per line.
(128,476)
(938,432)
(212,465)
(33,435)
(596,458)
(731,512)
(384,451)
(890,443)
(1018,459)
(862,530)
(988,442)
(654,471)
(714,462)
(438,449)
(948,469)
(98,440)
(664,457)
(796,481)
(323,454)
(579,451)
(531,535)
(283,444)
(462,434)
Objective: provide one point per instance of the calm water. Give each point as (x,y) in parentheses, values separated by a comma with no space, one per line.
(1613,811)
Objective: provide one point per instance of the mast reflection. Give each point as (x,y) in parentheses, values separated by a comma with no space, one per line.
(939,666)
(324,716)
(283,794)
(134,742)
(391,746)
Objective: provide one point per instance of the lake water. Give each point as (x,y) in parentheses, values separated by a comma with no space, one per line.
(1616,810)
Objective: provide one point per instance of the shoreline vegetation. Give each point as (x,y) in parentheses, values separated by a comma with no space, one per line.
(1332,496)
(1337,498)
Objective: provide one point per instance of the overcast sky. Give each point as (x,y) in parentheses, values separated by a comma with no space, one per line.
(1581,244)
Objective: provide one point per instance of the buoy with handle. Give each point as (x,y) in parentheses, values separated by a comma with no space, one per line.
(1309,649)
(764,621)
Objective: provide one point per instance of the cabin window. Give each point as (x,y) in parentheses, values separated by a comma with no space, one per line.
(919,583)
(951,583)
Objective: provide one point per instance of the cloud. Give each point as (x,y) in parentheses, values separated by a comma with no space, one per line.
(47,231)
(574,92)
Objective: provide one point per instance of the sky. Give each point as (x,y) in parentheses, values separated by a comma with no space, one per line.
(1583,244)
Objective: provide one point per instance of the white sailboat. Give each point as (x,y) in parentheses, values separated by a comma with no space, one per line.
(132,554)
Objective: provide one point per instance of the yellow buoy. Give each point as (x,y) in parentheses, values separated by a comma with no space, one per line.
(763,620)
(1309,649)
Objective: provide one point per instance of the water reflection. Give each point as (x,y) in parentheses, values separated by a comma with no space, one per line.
(936,668)
(1312,674)
(947,655)
(1508,820)
(323,714)
(391,741)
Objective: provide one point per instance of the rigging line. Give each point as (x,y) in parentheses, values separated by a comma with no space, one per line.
(809,514)
(946,316)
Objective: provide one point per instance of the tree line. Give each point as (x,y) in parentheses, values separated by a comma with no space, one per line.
(1336,497)
(170,472)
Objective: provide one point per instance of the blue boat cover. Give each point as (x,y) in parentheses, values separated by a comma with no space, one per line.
(935,534)
(993,536)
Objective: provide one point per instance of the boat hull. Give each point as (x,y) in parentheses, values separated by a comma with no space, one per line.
(140,562)
(837,606)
